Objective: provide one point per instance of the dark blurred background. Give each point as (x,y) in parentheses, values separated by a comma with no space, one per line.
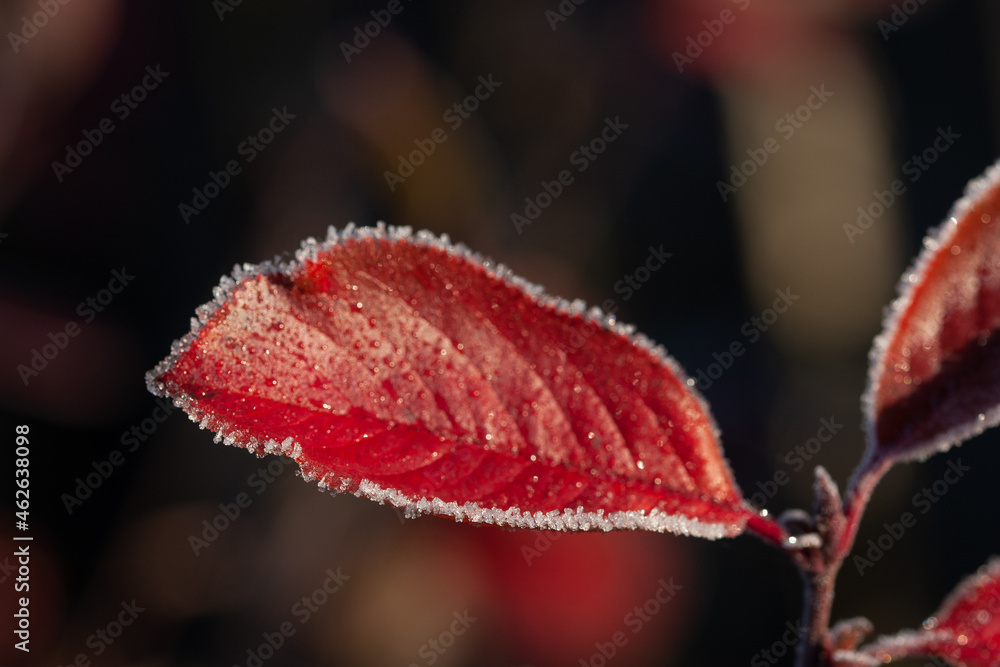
(122,490)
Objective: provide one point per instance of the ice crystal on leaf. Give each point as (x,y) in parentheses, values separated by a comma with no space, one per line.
(935,370)
(411,371)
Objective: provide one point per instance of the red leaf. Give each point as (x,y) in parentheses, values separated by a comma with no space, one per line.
(965,631)
(414,372)
(972,615)
(935,371)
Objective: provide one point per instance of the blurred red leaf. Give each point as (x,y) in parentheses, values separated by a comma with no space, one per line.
(549,620)
(965,631)
(935,372)
(972,615)
(414,372)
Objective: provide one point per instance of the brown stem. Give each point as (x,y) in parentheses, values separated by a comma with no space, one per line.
(858,495)
(837,524)
(824,563)
(773,533)
(816,650)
